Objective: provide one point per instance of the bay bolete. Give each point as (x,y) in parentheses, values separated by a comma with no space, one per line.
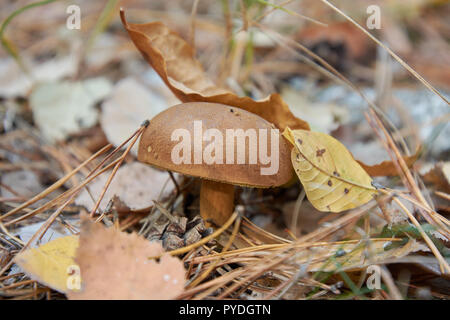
(224,146)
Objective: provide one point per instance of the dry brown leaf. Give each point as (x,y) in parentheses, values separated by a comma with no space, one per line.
(116,265)
(439,175)
(173,59)
(387,168)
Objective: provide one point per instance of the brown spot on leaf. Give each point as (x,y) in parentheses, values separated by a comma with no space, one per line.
(330,183)
(346,190)
(336,174)
(320,152)
(299,141)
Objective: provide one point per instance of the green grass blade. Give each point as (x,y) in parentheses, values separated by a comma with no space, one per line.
(8,45)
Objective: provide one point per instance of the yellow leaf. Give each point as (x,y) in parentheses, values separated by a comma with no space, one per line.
(332,179)
(52,263)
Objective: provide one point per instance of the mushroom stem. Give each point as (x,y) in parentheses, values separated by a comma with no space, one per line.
(216,201)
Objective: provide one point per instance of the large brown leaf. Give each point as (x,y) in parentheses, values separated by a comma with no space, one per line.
(173,59)
(116,265)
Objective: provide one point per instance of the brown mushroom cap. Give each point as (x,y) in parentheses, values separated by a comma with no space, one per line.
(156,146)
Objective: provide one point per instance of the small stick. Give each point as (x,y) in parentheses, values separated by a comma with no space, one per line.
(298,205)
(445,268)
(443,195)
(400,160)
(393,290)
(17,284)
(60,182)
(62,196)
(164,211)
(113,173)
(56,185)
(392,53)
(192,25)
(174,182)
(237,223)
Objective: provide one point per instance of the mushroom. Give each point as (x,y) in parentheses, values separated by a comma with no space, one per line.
(224,146)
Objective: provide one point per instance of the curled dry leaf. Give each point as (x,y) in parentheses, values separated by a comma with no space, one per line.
(173,59)
(116,265)
(332,179)
(387,168)
(439,175)
(50,263)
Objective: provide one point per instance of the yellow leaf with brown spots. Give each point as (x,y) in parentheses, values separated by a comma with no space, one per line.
(332,179)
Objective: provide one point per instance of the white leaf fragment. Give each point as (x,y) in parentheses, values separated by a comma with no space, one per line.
(63,108)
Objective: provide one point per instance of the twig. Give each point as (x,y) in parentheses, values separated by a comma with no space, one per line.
(56,185)
(237,223)
(177,187)
(393,290)
(113,173)
(445,268)
(296,212)
(282,8)
(192,25)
